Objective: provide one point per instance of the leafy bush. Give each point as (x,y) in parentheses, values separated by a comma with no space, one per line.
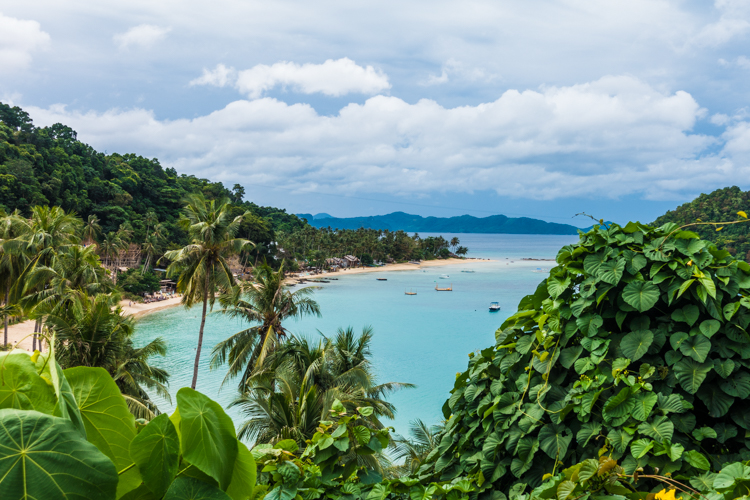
(132,281)
(634,347)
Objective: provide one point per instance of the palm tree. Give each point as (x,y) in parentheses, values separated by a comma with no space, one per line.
(268,303)
(150,248)
(12,265)
(92,331)
(91,229)
(414,450)
(110,247)
(76,271)
(202,265)
(150,219)
(297,385)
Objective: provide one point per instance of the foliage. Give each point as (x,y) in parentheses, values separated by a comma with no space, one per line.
(86,444)
(720,205)
(139,282)
(267,302)
(49,166)
(328,466)
(297,384)
(634,346)
(93,332)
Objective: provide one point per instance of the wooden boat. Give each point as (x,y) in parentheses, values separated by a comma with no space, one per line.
(449,289)
(382,279)
(409,292)
(494,307)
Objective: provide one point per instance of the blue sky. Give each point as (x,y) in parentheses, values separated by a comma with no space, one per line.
(622,109)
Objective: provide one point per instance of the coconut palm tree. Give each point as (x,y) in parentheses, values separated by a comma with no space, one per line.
(414,450)
(12,265)
(92,331)
(91,229)
(267,303)
(150,248)
(201,266)
(299,382)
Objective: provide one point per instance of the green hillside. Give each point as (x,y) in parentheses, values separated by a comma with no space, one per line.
(720,205)
(50,166)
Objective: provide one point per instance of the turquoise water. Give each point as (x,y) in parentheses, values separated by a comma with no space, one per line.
(423,339)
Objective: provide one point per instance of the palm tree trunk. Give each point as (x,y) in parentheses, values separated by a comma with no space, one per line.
(200,336)
(33,336)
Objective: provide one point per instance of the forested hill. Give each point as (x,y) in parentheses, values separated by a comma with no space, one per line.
(720,205)
(50,166)
(498,224)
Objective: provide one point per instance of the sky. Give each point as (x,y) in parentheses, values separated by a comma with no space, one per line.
(545,109)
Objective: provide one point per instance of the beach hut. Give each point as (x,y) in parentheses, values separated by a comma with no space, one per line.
(351,261)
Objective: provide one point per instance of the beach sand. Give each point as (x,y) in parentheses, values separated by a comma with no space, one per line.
(20,334)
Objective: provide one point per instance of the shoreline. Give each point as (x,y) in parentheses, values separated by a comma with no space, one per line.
(21,332)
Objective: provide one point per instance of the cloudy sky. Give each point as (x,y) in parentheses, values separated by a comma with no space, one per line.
(622,109)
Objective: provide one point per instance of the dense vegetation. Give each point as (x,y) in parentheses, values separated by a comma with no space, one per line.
(720,205)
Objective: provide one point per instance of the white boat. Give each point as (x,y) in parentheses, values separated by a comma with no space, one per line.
(444,276)
(494,306)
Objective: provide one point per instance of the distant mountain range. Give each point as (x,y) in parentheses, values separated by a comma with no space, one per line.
(494,224)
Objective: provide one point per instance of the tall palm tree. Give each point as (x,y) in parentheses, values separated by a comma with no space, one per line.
(150,248)
(91,229)
(12,265)
(267,303)
(201,266)
(92,331)
(47,232)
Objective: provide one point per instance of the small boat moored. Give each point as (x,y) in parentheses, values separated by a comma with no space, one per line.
(409,292)
(382,279)
(494,306)
(444,276)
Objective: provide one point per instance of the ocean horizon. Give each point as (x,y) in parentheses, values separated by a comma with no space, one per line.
(423,339)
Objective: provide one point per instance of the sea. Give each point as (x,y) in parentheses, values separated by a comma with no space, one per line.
(422,339)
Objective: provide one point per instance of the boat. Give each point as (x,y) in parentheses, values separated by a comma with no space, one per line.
(449,289)
(494,307)
(444,276)
(468,271)
(409,292)
(382,279)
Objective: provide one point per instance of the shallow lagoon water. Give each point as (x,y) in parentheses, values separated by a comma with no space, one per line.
(423,339)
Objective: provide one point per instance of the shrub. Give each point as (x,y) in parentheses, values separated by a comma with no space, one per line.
(635,347)
(132,281)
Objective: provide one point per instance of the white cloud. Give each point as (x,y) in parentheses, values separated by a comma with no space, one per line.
(220,76)
(613,136)
(143,36)
(333,78)
(18,40)
(458,72)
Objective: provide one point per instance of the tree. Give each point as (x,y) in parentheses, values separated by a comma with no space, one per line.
(268,303)
(201,266)
(415,449)
(296,386)
(454,243)
(93,332)
(91,229)
(238,193)
(461,251)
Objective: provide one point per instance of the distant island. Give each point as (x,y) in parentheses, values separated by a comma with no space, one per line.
(494,224)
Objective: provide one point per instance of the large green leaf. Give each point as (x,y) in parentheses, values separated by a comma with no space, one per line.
(208,438)
(156,452)
(660,428)
(697,460)
(67,406)
(696,347)
(188,488)
(710,327)
(691,374)
(620,404)
(644,404)
(619,439)
(21,387)
(731,475)
(243,476)
(717,402)
(642,295)
(611,271)
(554,440)
(109,424)
(635,344)
(724,367)
(44,457)
(737,385)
